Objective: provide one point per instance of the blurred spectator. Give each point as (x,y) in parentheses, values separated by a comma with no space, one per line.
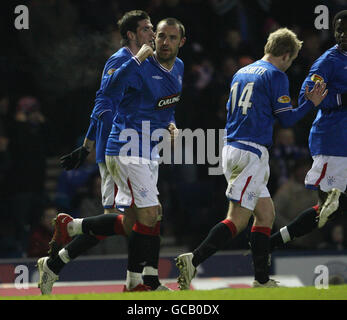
(336,238)
(8,245)
(229,67)
(5,161)
(41,233)
(28,147)
(283,157)
(72,185)
(291,199)
(204,72)
(91,201)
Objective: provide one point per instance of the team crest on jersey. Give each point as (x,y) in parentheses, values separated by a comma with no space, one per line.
(331,180)
(169,101)
(284,99)
(315,77)
(109,72)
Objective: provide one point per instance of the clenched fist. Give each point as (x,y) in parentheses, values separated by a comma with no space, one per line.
(145,51)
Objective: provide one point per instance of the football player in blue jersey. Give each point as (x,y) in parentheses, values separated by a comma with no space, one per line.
(151,84)
(155,81)
(136,29)
(327,141)
(259,95)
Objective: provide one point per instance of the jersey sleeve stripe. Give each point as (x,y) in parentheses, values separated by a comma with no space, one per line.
(283,110)
(137,60)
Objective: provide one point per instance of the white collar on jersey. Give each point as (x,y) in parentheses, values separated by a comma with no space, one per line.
(129,50)
(155,59)
(162,67)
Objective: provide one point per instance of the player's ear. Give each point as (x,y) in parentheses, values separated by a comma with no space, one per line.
(286,57)
(131,35)
(182,42)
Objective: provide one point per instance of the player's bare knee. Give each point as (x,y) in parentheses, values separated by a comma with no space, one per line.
(239,216)
(128,223)
(160,212)
(266,219)
(148,216)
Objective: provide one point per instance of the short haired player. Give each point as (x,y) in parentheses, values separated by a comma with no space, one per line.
(259,95)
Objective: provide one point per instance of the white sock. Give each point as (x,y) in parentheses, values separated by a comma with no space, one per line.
(150,271)
(74,227)
(133,279)
(285,235)
(64,255)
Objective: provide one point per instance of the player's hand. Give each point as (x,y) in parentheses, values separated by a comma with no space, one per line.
(317,94)
(145,51)
(74,159)
(173,132)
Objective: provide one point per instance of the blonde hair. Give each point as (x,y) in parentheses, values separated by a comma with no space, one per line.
(282,41)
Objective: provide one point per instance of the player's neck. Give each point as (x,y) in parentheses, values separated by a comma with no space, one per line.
(273,60)
(166,64)
(134,49)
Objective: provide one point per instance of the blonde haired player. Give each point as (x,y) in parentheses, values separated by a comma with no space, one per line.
(259,94)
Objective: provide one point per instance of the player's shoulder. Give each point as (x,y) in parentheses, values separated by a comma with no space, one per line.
(329,57)
(179,63)
(120,56)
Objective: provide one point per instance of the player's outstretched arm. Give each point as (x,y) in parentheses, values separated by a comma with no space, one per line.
(74,159)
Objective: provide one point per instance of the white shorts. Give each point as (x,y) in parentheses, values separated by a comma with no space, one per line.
(136,179)
(327,172)
(246,172)
(108,187)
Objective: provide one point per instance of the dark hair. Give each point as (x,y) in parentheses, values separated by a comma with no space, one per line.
(129,22)
(173,22)
(340,15)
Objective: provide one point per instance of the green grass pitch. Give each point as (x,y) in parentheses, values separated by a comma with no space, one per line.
(303,293)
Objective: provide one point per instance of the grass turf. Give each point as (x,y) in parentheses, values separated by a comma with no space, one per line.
(302,293)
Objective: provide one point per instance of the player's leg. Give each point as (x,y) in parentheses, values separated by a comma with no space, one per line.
(76,243)
(217,239)
(220,235)
(237,165)
(150,272)
(264,215)
(85,234)
(138,192)
(305,223)
(143,247)
(326,174)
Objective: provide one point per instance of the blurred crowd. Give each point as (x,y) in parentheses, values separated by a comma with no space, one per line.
(49,76)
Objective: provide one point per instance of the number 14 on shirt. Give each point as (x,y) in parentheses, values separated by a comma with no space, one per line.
(245,98)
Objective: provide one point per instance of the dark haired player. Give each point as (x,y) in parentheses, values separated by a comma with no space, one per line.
(327,140)
(146,79)
(136,29)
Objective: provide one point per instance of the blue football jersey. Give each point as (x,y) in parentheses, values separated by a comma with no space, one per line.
(259,94)
(151,95)
(328,135)
(105,107)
